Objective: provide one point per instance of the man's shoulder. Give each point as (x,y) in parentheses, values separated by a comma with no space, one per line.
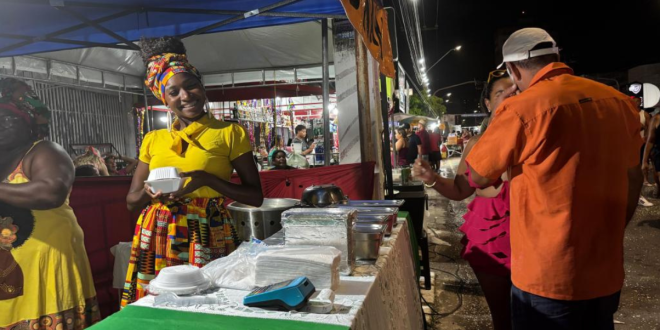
(553,93)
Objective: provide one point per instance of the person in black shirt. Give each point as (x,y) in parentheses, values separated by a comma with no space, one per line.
(413,143)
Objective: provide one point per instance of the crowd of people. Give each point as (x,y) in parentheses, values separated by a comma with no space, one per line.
(544,234)
(423,144)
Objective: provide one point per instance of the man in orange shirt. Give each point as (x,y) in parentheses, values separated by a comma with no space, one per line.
(571,197)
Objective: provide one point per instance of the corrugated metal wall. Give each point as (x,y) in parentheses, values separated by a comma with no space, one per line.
(88,117)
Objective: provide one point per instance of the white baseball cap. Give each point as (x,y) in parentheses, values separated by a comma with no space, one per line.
(520,44)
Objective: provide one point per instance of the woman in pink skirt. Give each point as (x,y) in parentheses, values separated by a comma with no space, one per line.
(486,242)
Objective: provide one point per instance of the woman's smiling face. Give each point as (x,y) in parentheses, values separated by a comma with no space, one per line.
(185,95)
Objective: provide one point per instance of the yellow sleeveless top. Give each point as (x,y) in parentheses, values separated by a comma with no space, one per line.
(48,248)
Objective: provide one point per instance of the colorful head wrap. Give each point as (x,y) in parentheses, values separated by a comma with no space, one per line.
(21,114)
(28,103)
(162,67)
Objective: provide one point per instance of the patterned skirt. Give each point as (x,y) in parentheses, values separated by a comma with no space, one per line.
(77,318)
(193,232)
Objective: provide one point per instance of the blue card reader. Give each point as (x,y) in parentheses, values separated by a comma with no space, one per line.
(287,295)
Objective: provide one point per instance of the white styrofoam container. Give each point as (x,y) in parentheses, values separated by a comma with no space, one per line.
(165,186)
(163,173)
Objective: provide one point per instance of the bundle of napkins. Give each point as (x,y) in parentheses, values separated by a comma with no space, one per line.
(322,227)
(319,264)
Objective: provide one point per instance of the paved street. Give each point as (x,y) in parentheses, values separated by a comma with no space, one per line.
(459,299)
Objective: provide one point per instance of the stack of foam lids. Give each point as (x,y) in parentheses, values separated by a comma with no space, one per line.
(319,264)
(322,227)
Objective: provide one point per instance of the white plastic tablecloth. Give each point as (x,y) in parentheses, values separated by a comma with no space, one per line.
(381,296)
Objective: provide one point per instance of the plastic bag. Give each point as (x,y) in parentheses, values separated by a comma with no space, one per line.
(172,299)
(298,161)
(237,270)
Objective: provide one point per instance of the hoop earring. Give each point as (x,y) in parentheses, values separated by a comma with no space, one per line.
(169,120)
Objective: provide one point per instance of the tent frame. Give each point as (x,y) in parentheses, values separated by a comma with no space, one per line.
(66,6)
(123,43)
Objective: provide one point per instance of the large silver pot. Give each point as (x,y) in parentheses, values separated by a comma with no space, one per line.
(323,196)
(259,222)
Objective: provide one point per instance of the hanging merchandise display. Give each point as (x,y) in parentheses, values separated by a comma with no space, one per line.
(264,119)
(139,114)
(291,108)
(319,153)
(267,128)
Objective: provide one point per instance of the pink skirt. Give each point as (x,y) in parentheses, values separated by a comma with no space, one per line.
(486,242)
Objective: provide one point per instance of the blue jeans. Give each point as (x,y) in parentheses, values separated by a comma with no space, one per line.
(529,311)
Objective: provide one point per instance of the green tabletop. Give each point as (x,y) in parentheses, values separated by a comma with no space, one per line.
(413,239)
(144,318)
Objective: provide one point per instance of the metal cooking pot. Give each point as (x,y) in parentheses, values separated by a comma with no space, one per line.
(323,196)
(259,222)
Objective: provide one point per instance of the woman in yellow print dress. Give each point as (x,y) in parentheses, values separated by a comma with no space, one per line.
(189,226)
(45,278)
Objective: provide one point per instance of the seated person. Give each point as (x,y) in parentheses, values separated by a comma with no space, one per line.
(87,170)
(111,164)
(279,161)
(92,157)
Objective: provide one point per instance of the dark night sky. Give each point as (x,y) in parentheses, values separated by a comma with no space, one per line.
(595,38)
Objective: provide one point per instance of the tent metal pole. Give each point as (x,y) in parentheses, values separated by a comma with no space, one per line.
(63,84)
(51,35)
(237,18)
(99,27)
(65,41)
(146,107)
(327,136)
(217,87)
(387,162)
(83,4)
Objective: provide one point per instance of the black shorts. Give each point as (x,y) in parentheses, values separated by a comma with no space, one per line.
(435,156)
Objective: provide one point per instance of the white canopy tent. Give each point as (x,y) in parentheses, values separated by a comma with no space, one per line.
(228,58)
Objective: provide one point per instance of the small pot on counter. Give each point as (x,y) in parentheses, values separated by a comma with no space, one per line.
(367,240)
(323,196)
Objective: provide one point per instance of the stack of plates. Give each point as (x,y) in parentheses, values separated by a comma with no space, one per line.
(184,279)
(319,264)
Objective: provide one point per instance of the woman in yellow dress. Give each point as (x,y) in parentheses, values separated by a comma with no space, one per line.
(45,278)
(189,226)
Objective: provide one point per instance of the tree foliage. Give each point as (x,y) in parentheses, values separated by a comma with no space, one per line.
(433,107)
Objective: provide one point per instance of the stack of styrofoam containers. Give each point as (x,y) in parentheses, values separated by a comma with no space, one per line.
(322,227)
